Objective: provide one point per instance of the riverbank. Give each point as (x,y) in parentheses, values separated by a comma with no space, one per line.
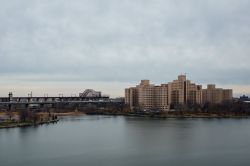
(189,116)
(69,113)
(24,124)
(174,115)
(157,115)
(15,123)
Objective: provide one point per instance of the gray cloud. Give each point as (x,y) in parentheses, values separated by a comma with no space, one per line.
(95,40)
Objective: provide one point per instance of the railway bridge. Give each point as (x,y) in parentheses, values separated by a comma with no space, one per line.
(42,103)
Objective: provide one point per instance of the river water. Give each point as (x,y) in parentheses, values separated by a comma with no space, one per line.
(123,141)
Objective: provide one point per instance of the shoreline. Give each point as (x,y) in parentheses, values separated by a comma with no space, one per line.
(26,124)
(167,116)
(138,114)
(69,113)
(191,116)
(158,115)
(14,124)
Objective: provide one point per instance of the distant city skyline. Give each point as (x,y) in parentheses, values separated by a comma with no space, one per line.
(52,47)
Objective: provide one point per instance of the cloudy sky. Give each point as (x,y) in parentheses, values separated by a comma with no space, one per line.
(64,46)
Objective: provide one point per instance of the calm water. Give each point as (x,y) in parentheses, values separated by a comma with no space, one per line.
(118,141)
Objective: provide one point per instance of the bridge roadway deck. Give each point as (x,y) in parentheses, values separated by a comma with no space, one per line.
(59,102)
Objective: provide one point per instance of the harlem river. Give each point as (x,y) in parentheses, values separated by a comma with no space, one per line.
(124,141)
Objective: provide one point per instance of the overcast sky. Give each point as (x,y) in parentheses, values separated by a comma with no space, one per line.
(62,46)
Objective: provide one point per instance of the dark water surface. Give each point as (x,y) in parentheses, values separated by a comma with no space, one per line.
(122,141)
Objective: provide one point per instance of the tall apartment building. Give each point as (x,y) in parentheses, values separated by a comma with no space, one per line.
(146,97)
(161,97)
(131,97)
(149,96)
(182,91)
(216,95)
